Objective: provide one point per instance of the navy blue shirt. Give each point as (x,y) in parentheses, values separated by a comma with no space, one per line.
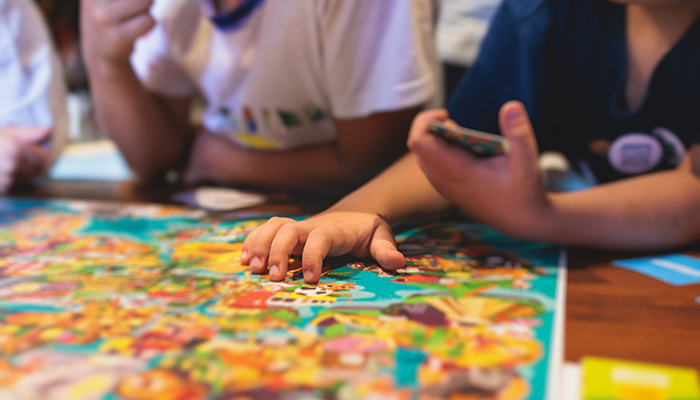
(566,60)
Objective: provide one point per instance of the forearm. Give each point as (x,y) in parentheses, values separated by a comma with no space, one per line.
(322,167)
(401,190)
(656,211)
(312,168)
(150,137)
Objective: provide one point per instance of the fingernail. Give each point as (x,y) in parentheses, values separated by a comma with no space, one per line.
(255,263)
(244,255)
(274,270)
(308,275)
(513,115)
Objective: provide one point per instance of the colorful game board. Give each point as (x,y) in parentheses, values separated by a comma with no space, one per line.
(123,302)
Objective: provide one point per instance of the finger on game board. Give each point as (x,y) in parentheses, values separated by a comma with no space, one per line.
(318,244)
(383,249)
(283,246)
(248,245)
(261,247)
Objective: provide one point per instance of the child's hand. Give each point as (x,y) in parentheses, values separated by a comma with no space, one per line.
(504,191)
(21,155)
(110,27)
(328,234)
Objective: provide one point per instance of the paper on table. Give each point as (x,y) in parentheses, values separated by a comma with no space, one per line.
(220,199)
(572,381)
(674,269)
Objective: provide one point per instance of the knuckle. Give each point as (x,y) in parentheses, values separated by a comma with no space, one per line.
(275,220)
(425,115)
(280,220)
(332,231)
(146,22)
(150,22)
(413,143)
(100,15)
(260,249)
(276,256)
(318,233)
(287,229)
(310,260)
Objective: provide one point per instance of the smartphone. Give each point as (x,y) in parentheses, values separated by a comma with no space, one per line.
(481,144)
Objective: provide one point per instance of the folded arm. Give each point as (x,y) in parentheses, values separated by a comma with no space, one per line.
(152,132)
(363,148)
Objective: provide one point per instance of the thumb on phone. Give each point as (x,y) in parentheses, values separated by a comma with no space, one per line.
(516,127)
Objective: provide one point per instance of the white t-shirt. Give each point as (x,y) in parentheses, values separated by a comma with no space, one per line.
(276,80)
(462,27)
(32,89)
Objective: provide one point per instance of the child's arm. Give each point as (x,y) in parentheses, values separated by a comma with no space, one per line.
(364,147)
(654,211)
(152,132)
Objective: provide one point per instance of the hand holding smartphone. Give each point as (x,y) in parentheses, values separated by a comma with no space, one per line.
(481,144)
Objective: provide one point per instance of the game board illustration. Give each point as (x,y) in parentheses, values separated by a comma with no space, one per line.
(122,302)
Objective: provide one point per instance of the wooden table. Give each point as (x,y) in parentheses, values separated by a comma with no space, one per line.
(613,312)
(610,312)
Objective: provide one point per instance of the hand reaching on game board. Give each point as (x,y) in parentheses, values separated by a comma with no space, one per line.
(22,157)
(325,235)
(504,191)
(356,225)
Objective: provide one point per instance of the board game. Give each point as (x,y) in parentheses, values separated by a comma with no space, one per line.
(112,301)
